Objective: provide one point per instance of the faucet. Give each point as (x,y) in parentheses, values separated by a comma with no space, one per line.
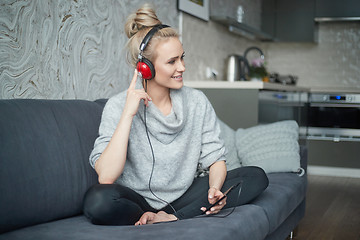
(262,56)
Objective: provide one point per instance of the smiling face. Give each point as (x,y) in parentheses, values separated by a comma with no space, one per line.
(169,63)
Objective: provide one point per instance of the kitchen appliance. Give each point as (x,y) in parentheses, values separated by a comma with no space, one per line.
(333,133)
(334,117)
(237,68)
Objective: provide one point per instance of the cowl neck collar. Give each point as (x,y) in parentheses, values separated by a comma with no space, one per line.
(161,127)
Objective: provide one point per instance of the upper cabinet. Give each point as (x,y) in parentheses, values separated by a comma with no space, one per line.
(282,20)
(296,20)
(331,10)
(242,17)
(242,29)
(289,20)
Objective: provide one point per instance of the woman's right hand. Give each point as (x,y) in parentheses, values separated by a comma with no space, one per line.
(134,96)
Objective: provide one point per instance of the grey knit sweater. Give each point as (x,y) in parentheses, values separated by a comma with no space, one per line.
(185,140)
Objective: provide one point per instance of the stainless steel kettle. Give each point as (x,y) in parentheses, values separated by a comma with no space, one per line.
(237,68)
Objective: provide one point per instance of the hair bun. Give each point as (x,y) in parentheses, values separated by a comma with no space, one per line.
(144,17)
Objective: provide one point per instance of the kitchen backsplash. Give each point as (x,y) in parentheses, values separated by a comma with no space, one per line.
(333,62)
(208,44)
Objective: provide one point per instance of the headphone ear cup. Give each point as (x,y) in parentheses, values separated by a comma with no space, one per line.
(146,68)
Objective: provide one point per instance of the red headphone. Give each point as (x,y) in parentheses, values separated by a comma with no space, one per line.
(144,66)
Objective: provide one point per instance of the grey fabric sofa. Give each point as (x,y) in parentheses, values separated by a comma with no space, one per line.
(44,173)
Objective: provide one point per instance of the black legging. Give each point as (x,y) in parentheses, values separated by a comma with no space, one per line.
(113,204)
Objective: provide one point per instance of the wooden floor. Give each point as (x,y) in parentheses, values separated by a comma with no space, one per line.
(332,209)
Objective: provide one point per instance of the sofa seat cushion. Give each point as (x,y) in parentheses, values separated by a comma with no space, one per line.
(284,193)
(245,221)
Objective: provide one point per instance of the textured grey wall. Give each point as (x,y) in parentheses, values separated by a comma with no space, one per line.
(67,49)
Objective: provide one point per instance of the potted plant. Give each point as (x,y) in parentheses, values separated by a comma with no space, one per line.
(257,70)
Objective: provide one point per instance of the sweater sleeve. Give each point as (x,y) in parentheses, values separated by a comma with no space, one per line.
(109,120)
(213,147)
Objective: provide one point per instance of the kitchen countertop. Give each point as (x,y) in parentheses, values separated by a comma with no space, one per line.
(334,90)
(245,85)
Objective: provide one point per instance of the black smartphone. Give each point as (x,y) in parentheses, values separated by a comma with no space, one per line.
(225,195)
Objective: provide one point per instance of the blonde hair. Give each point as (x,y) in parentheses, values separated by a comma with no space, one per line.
(137,26)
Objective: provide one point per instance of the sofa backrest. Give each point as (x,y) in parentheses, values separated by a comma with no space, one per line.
(44,151)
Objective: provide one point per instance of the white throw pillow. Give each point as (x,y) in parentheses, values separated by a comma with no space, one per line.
(273,147)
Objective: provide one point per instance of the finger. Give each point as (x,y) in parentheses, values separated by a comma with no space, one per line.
(133,81)
(207,212)
(218,194)
(223,202)
(138,94)
(215,212)
(211,195)
(146,98)
(217,207)
(142,93)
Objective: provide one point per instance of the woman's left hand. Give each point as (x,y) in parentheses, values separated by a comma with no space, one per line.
(213,196)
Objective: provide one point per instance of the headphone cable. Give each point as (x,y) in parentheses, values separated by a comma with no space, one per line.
(153,158)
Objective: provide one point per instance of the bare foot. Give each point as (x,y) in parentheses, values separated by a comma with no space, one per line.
(150,218)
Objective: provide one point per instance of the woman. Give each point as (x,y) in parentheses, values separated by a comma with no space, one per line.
(153,141)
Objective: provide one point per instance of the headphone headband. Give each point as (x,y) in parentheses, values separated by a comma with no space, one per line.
(150,34)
